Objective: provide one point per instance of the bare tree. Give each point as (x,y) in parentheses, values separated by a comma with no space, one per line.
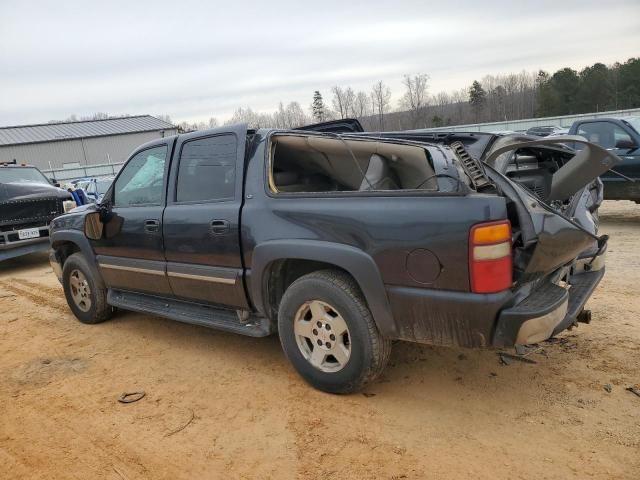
(380,98)
(343,101)
(295,115)
(361,105)
(213,122)
(164,118)
(415,97)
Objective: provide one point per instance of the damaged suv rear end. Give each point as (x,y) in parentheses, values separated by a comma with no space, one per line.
(539,265)
(524,208)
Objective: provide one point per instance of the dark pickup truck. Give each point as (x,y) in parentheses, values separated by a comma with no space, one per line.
(28,202)
(343,242)
(622,137)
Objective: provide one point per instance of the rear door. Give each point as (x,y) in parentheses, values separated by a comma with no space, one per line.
(132,257)
(201,224)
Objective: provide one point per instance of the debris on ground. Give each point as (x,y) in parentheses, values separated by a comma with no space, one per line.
(130,397)
(634,390)
(608,388)
(505,357)
(179,429)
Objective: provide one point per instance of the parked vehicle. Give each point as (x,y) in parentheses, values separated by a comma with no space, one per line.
(95,188)
(544,131)
(622,137)
(342,243)
(28,202)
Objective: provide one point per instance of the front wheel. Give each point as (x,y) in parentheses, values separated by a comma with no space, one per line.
(328,334)
(85,291)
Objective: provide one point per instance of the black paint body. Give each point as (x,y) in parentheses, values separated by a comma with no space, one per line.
(374,236)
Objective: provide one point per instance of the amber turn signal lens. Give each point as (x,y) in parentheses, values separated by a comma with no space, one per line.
(487,234)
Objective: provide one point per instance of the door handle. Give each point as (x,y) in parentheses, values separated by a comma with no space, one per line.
(151,226)
(219,227)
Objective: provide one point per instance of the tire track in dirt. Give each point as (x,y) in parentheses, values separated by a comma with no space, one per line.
(326,449)
(39,294)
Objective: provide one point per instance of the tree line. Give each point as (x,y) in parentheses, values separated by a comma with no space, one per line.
(493,98)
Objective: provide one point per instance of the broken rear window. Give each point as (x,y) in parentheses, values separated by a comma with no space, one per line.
(313,164)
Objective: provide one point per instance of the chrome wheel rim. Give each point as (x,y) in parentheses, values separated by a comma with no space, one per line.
(80,290)
(322,336)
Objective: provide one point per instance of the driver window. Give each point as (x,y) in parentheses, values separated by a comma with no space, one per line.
(142,179)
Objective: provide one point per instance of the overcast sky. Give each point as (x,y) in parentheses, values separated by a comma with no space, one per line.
(193,60)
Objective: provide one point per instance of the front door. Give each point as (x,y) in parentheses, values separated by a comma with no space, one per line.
(131,257)
(201,224)
(610,136)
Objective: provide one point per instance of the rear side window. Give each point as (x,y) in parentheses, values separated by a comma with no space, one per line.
(207,169)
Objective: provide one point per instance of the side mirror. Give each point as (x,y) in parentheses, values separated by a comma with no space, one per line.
(54,182)
(625,144)
(93,226)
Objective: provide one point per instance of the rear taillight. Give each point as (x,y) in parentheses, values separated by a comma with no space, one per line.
(490,267)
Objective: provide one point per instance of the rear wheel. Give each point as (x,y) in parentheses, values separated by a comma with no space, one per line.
(85,291)
(328,334)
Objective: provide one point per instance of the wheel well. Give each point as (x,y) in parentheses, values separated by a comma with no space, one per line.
(283,273)
(64,250)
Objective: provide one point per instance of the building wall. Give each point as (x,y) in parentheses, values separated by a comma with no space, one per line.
(85,151)
(563,121)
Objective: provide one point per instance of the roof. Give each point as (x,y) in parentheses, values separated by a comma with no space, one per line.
(51,132)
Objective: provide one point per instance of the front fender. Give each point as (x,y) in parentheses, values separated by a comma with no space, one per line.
(357,263)
(77,238)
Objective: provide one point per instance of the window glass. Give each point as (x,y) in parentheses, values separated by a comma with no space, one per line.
(142,179)
(207,169)
(605,134)
(620,134)
(21,175)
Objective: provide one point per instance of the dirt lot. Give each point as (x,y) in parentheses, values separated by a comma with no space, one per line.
(436,413)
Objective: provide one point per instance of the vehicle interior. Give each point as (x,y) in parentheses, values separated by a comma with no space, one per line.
(312,163)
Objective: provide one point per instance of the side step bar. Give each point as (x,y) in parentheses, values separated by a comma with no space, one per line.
(186,312)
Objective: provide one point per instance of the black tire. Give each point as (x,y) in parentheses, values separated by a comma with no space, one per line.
(99,310)
(369,351)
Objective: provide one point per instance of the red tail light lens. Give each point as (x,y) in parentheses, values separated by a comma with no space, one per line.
(490,266)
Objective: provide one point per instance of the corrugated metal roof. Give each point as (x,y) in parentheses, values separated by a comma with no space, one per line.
(49,132)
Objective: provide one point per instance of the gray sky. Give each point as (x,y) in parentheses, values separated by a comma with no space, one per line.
(193,60)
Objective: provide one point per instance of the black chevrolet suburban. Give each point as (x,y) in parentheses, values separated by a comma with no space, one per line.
(342,241)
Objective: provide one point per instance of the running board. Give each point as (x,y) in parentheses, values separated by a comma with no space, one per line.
(193,313)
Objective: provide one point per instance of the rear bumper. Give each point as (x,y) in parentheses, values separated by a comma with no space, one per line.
(547,311)
(497,320)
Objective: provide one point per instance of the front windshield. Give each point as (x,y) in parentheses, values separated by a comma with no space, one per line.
(21,175)
(635,123)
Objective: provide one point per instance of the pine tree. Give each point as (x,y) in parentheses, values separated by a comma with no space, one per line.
(318,108)
(477,97)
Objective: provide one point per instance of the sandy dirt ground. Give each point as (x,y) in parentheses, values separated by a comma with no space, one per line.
(224,406)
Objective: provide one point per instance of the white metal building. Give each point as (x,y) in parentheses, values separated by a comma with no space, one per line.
(79,144)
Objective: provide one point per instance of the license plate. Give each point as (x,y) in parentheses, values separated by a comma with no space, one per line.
(28,233)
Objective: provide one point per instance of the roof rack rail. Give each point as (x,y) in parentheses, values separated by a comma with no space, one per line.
(12,162)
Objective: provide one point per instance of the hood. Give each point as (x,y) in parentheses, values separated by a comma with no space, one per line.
(30,191)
